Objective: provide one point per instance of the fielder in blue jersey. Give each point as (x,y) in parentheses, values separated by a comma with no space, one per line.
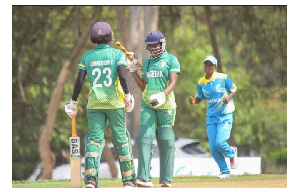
(218,89)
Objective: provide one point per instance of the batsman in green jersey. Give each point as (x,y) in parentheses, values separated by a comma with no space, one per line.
(159,76)
(109,99)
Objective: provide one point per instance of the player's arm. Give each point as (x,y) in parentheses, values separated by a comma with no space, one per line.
(71,107)
(174,73)
(141,82)
(227,99)
(231,88)
(193,100)
(172,84)
(123,78)
(129,100)
(78,84)
(197,100)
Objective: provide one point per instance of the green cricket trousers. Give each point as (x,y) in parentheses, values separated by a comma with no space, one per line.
(94,141)
(159,123)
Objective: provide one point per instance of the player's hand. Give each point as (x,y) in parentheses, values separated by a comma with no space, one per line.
(129,102)
(192,100)
(133,62)
(71,108)
(225,100)
(156,100)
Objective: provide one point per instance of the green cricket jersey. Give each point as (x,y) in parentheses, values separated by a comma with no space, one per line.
(157,74)
(101,66)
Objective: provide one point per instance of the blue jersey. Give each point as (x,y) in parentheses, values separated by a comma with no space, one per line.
(213,90)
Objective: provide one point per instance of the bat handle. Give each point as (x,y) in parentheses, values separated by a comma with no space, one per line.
(74,134)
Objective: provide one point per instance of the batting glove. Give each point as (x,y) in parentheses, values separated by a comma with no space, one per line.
(71,108)
(129,102)
(156,100)
(131,63)
(133,69)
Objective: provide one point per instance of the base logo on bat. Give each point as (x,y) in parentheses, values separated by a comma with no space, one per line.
(74,147)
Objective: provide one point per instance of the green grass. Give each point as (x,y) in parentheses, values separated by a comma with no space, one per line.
(108,183)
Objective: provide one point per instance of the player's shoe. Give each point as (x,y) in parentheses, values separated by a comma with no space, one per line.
(223,176)
(142,183)
(128,184)
(166,183)
(91,182)
(234,160)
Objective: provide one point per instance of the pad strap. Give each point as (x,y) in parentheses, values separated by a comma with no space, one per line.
(94,143)
(90,171)
(127,173)
(126,144)
(91,154)
(125,158)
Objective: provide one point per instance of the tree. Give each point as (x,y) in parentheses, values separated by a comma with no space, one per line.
(47,156)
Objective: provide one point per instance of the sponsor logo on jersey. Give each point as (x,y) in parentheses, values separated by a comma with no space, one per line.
(100,63)
(214,100)
(218,88)
(163,63)
(154,74)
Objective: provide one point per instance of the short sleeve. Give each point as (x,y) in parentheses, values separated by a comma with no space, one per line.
(175,66)
(200,92)
(121,58)
(229,85)
(82,64)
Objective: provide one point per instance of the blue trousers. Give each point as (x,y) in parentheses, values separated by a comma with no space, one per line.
(218,131)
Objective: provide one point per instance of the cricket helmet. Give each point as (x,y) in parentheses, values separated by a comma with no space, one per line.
(155,37)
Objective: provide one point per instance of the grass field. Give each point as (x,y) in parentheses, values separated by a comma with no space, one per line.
(241,181)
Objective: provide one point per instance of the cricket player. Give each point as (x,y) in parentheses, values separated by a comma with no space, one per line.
(158,108)
(218,91)
(109,99)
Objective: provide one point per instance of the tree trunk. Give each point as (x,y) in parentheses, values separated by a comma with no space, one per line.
(124,28)
(134,40)
(210,23)
(19,61)
(47,156)
(151,18)
(138,39)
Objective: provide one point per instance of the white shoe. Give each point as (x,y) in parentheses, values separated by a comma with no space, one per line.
(234,160)
(166,183)
(223,176)
(142,183)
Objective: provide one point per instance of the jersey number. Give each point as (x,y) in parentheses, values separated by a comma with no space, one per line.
(107,72)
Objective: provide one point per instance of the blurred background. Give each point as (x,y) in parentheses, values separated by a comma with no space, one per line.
(250,43)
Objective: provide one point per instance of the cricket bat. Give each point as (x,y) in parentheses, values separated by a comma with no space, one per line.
(131,57)
(124,50)
(75,160)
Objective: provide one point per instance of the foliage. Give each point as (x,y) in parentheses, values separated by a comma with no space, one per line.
(252,43)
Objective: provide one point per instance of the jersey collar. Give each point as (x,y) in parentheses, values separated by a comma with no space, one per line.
(102,46)
(164,55)
(212,78)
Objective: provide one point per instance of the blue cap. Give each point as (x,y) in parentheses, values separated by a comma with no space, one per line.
(154,37)
(211,59)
